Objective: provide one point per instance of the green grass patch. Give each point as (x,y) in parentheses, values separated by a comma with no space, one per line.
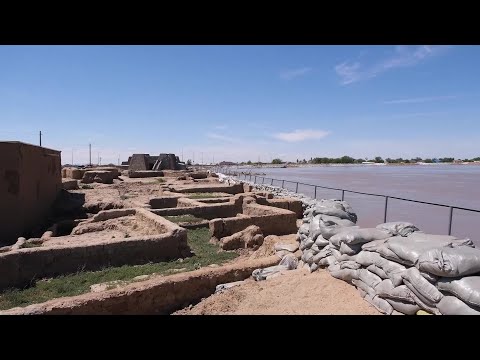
(202,195)
(79,283)
(187,218)
(86,187)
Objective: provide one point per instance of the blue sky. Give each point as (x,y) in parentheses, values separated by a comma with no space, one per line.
(243,103)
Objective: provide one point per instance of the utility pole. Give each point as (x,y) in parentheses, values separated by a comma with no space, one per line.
(98,158)
(90,152)
(40,137)
(100,161)
(118,159)
(193,160)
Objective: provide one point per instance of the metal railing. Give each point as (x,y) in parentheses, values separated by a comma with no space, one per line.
(386,197)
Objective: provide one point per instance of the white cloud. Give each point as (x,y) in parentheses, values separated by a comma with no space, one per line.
(221,127)
(221,137)
(291,74)
(420,100)
(404,56)
(301,135)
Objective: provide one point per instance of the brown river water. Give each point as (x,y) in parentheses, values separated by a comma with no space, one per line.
(453,185)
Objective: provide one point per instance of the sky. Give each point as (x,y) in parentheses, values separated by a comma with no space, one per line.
(240,103)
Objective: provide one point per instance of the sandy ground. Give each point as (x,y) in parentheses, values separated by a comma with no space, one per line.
(295,292)
(111,230)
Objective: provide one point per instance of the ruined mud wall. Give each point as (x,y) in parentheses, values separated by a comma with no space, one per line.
(30,179)
(208,211)
(19,267)
(157,296)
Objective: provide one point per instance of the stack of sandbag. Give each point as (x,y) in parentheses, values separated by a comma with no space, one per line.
(395,267)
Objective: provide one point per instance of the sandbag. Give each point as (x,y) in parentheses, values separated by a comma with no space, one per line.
(404,307)
(391,269)
(401,293)
(429,277)
(349,265)
(315,249)
(428,293)
(380,304)
(307,257)
(380,247)
(313,267)
(308,243)
(329,231)
(398,228)
(332,220)
(289,262)
(466,289)
(378,271)
(288,247)
(327,261)
(337,254)
(346,275)
(384,286)
(321,255)
(450,261)
(350,249)
(315,234)
(369,278)
(450,305)
(304,228)
(314,224)
(321,242)
(411,247)
(361,285)
(358,236)
(334,211)
(432,309)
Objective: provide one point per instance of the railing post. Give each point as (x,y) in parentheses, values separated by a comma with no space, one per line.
(255,179)
(315,196)
(283,183)
(386,206)
(263,180)
(450,222)
(250,177)
(296,190)
(271,182)
(343,195)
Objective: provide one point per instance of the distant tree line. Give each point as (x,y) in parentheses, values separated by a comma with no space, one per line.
(350,160)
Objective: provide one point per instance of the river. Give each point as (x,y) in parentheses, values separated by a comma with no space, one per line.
(455,185)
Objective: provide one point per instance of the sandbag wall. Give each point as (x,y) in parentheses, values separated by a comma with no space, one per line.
(395,267)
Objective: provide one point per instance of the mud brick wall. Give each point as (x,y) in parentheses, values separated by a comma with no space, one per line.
(30,179)
(208,211)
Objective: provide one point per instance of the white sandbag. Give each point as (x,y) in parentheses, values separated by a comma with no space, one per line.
(361,285)
(450,305)
(349,265)
(450,262)
(395,312)
(329,231)
(314,224)
(466,289)
(380,304)
(313,267)
(327,261)
(308,243)
(432,309)
(300,264)
(334,211)
(380,247)
(282,253)
(428,293)
(369,278)
(332,220)
(304,229)
(315,249)
(336,253)
(350,249)
(346,275)
(334,267)
(398,228)
(391,269)
(411,247)
(288,247)
(384,286)
(321,242)
(429,277)
(378,271)
(401,293)
(358,236)
(307,257)
(366,258)
(315,234)
(404,307)
(322,254)
(361,292)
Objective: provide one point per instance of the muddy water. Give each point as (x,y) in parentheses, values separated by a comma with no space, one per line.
(456,185)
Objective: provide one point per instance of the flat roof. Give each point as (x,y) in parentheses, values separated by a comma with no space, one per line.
(22,143)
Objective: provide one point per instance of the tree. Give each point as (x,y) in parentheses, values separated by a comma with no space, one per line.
(277,161)
(189,162)
(249,162)
(428,161)
(359,161)
(378,159)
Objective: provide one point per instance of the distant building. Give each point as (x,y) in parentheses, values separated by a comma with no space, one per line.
(227,163)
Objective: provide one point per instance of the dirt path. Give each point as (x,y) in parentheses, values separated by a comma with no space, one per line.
(295,292)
